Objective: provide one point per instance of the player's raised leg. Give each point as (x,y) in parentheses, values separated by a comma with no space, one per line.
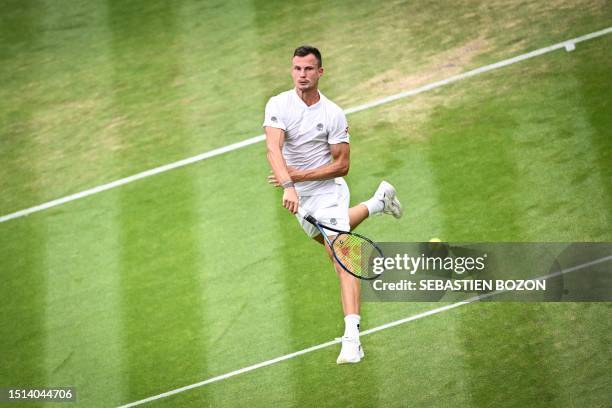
(384,201)
(357,215)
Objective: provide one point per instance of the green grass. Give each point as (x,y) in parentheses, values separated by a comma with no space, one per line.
(199,271)
(124,87)
(473,362)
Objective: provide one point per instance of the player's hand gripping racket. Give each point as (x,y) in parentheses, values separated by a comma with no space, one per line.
(351,250)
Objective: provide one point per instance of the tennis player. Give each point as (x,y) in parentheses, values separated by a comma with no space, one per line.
(308,150)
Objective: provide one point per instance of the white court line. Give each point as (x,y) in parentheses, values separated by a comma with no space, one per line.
(364,333)
(260,138)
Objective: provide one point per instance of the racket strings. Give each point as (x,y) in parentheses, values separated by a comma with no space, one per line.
(350,250)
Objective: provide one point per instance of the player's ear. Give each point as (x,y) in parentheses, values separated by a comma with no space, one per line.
(321,71)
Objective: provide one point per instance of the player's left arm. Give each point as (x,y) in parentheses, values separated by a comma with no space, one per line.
(341,154)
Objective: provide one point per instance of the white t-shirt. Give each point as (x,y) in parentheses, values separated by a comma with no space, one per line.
(309,130)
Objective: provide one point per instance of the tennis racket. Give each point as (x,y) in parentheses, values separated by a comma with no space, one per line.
(352,251)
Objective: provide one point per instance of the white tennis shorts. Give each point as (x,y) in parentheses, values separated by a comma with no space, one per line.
(329,209)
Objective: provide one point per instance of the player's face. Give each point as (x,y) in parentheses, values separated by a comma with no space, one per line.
(306,72)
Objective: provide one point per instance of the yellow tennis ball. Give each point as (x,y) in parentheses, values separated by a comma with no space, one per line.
(435,240)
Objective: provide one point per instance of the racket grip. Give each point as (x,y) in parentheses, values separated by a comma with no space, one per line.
(311,219)
(307,216)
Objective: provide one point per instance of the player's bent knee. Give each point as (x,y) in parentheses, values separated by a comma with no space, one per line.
(342,274)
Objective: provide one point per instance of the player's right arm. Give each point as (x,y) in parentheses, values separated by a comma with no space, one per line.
(275,138)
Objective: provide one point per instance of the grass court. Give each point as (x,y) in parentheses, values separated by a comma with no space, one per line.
(199,271)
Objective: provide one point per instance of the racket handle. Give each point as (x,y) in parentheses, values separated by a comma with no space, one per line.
(307,216)
(311,220)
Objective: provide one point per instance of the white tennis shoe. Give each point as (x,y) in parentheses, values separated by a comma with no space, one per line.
(351,351)
(387,194)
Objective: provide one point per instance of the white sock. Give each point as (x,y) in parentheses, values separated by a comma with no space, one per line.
(351,326)
(375,205)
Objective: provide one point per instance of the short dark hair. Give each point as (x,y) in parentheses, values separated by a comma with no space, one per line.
(304,50)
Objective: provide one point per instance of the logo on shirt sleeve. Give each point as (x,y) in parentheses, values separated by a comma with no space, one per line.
(274,119)
(346,130)
(320,126)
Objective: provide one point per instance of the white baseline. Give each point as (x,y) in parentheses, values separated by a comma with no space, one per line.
(364,333)
(567,44)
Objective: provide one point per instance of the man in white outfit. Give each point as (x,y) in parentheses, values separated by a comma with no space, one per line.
(308,149)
